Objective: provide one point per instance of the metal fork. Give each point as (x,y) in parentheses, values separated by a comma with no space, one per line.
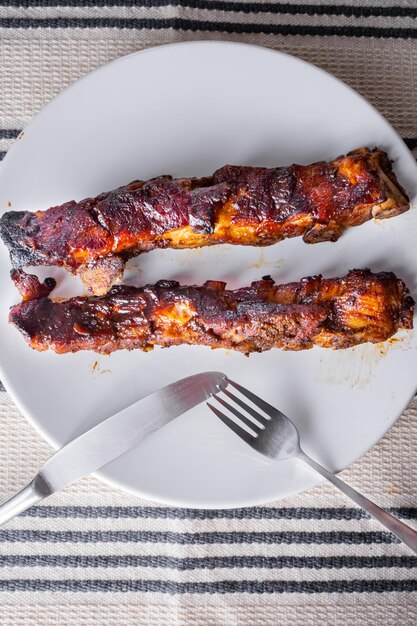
(274,435)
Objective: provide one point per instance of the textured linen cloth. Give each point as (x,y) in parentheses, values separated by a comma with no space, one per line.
(93,555)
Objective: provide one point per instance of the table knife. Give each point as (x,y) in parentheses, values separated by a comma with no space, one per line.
(111,438)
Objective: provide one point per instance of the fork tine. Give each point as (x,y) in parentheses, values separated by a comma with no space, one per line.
(258,416)
(268,408)
(240,416)
(240,432)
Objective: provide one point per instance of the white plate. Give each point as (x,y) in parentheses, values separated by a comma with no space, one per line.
(186,110)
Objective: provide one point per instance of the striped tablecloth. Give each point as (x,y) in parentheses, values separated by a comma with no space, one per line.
(96,556)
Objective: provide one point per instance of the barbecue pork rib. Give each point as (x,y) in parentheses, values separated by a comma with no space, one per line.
(237,205)
(332,313)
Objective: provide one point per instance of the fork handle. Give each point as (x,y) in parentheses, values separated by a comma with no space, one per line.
(398,528)
(33,493)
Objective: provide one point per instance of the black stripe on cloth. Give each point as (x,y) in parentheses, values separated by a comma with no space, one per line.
(2,154)
(235,7)
(221,586)
(146,512)
(229,562)
(9,133)
(199,25)
(411,142)
(143,536)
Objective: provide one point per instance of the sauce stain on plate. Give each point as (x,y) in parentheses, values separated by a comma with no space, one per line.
(262,263)
(97,370)
(356,367)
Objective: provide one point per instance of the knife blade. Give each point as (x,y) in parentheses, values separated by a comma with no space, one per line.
(112,437)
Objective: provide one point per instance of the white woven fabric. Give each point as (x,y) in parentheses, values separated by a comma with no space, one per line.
(97,556)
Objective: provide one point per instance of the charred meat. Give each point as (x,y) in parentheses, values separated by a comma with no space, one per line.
(236,205)
(332,313)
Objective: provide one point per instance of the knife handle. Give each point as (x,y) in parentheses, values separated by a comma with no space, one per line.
(33,493)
